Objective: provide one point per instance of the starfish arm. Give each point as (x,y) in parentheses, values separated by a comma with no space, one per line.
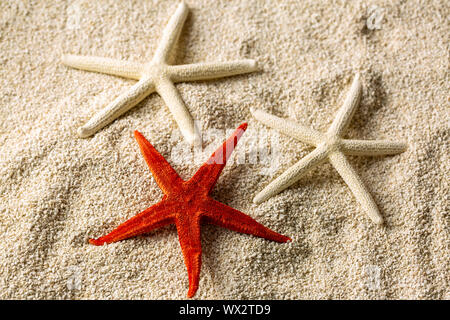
(171,33)
(351,178)
(224,216)
(289,128)
(292,175)
(372,147)
(156,216)
(165,176)
(188,228)
(345,113)
(209,172)
(206,71)
(174,102)
(119,106)
(126,69)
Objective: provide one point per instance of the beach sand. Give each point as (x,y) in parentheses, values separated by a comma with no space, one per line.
(58,190)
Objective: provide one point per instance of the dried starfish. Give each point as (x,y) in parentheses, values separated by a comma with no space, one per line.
(187,204)
(156,75)
(330,145)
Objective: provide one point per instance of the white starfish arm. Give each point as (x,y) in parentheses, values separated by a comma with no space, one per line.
(120,105)
(372,147)
(351,178)
(126,69)
(175,103)
(291,175)
(345,113)
(289,128)
(171,33)
(206,71)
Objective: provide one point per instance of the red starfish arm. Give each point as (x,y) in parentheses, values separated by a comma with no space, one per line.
(188,228)
(165,176)
(224,216)
(151,218)
(210,171)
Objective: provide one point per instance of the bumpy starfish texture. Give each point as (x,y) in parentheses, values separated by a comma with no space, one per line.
(187,204)
(156,75)
(330,146)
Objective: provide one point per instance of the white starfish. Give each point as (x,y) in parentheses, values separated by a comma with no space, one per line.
(330,145)
(158,76)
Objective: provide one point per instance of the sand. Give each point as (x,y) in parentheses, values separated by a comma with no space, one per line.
(57,190)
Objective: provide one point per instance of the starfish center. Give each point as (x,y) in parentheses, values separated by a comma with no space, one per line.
(332,143)
(189,195)
(155,70)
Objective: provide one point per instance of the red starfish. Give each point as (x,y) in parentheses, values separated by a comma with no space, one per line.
(187,204)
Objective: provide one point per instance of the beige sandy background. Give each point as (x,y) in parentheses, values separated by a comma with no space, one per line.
(57,190)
